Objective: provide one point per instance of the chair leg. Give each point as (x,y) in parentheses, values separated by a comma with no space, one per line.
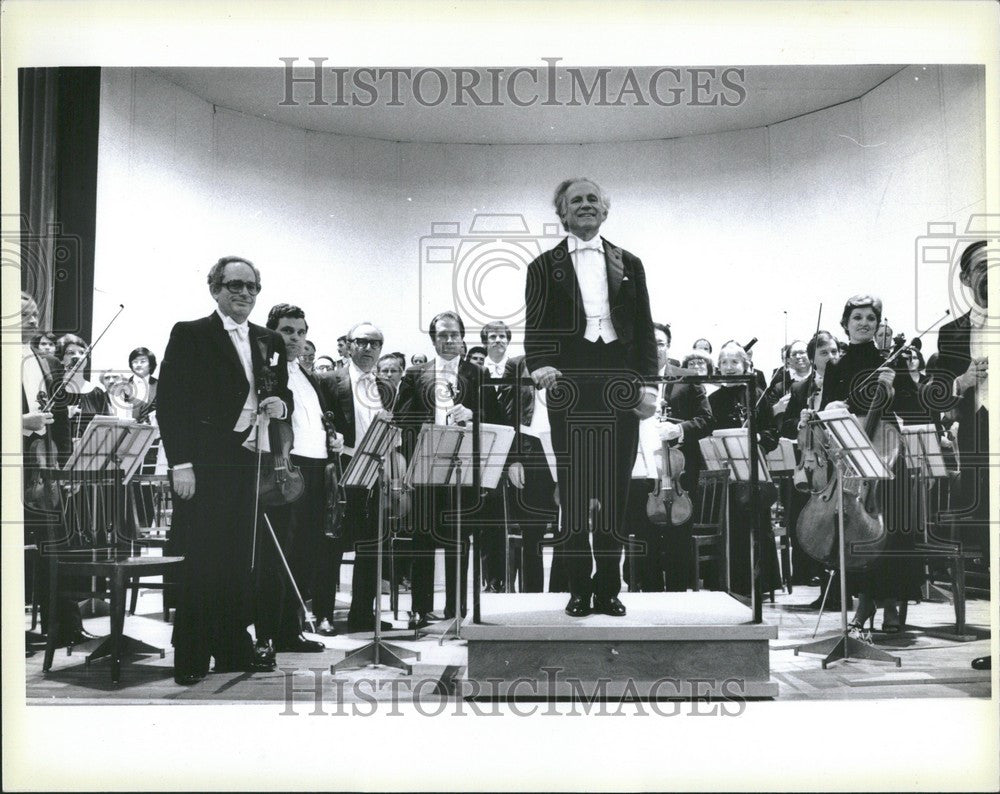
(134,601)
(958,577)
(118,587)
(904,607)
(52,622)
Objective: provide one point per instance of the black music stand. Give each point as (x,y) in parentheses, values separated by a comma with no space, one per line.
(443,456)
(367,470)
(856,458)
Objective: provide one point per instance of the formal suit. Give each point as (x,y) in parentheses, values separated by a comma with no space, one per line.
(432,523)
(309,553)
(972,502)
(533,507)
(202,392)
(594,434)
(361,518)
(666,563)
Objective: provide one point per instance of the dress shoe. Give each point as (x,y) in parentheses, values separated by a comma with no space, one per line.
(983,663)
(326,628)
(418,620)
(578,607)
(301,645)
(609,606)
(255,665)
(366,624)
(77,637)
(263,652)
(188,679)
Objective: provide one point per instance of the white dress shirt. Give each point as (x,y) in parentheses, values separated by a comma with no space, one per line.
(496,368)
(307,418)
(445,381)
(367,403)
(978,349)
(592,276)
(239,333)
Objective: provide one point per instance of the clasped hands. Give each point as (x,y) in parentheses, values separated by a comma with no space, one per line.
(546,377)
(976,373)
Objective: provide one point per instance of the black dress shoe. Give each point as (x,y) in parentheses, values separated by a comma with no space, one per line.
(256,665)
(302,645)
(609,606)
(264,653)
(578,607)
(983,663)
(418,620)
(366,624)
(188,679)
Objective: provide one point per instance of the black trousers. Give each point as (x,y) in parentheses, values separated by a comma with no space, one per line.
(299,529)
(214,532)
(492,542)
(435,525)
(595,436)
(362,519)
(533,508)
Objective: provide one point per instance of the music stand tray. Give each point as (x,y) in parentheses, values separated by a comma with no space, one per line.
(442,457)
(367,470)
(855,457)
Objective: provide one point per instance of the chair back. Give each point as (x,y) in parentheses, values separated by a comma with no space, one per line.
(713,487)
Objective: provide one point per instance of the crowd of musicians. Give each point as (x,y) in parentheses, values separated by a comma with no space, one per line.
(590,323)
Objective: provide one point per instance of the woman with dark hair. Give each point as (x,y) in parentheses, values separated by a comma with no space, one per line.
(45,344)
(141,394)
(84,399)
(730,410)
(860,381)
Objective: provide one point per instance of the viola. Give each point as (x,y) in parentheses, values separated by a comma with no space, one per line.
(669,504)
(280,482)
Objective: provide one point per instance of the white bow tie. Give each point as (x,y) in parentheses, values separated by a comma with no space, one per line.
(242,329)
(593,245)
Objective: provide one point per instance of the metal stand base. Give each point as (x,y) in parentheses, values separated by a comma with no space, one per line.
(844,647)
(94,608)
(129,645)
(377,654)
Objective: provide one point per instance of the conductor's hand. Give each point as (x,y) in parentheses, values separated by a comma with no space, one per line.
(36,420)
(274,407)
(516,475)
(459,414)
(647,406)
(183,480)
(545,377)
(976,373)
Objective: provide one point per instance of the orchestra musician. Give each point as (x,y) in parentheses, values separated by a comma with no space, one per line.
(684,417)
(804,397)
(730,410)
(298,526)
(588,324)
(962,369)
(355,396)
(851,382)
(443,391)
(84,399)
(208,405)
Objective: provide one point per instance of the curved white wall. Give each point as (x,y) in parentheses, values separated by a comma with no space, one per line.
(733,228)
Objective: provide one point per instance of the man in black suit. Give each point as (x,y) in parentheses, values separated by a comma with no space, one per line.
(355,397)
(219,374)
(588,326)
(962,366)
(298,526)
(532,502)
(445,390)
(685,417)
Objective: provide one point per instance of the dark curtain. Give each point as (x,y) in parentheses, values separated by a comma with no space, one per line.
(59,121)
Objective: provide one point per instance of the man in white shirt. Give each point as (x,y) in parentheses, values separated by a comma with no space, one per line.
(220,374)
(588,328)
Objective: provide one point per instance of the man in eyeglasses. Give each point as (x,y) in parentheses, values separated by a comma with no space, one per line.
(219,374)
(355,397)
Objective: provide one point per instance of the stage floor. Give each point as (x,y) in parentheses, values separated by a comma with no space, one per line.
(932,667)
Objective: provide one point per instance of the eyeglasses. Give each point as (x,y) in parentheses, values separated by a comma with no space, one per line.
(236,286)
(369,343)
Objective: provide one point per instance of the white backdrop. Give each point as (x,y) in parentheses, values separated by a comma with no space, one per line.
(734,229)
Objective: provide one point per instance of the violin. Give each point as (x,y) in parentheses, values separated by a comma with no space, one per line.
(280,482)
(334,492)
(669,504)
(41,493)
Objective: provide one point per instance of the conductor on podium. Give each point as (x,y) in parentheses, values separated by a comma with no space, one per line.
(589,340)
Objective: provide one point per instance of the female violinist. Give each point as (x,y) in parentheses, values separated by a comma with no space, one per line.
(730,410)
(83,398)
(862,383)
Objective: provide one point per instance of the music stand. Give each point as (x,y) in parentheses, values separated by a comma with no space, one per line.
(856,458)
(443,457)
(367,470)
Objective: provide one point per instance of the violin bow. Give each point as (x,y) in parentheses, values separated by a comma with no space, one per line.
(61,388)
(894,355)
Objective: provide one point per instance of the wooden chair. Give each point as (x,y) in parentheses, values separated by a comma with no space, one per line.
(151,531)
(708,532)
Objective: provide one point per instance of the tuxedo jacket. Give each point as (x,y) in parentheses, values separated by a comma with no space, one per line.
(202,386)
(337,398)
(415,403)
(954,358)
(52,372)
(556,321)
